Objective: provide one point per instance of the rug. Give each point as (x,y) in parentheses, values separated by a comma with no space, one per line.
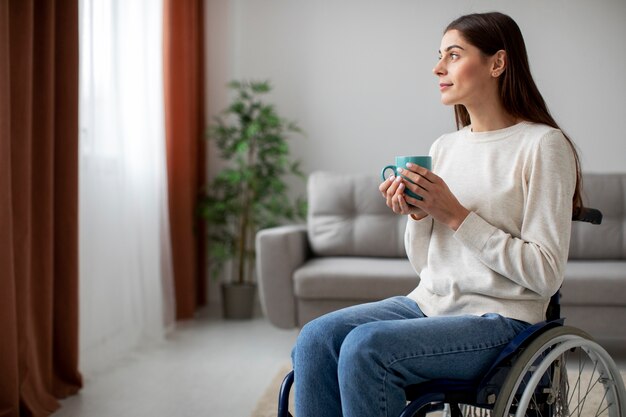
(268,403)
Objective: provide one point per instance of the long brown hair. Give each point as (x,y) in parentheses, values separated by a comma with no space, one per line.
(492,32)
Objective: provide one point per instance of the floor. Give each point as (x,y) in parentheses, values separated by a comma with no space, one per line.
(208,367)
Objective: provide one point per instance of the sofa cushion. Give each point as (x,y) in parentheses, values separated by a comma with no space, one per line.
(606,192)
(348,217)
(353,278)
(599,283)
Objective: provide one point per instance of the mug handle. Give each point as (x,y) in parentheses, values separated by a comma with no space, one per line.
(382,173)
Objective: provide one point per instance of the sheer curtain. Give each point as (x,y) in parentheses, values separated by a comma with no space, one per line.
(126,285)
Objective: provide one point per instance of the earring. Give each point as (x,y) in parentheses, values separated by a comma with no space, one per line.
(495,73)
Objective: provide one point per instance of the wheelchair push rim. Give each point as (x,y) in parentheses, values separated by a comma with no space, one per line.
(535,386)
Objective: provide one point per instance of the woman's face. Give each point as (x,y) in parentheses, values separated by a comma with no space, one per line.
(465,74)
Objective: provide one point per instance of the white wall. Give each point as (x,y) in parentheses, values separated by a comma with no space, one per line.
(356,74)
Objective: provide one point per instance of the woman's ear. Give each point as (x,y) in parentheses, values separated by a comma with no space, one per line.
(499,63)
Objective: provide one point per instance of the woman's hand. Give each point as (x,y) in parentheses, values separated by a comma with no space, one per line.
(392,190)
(437,199)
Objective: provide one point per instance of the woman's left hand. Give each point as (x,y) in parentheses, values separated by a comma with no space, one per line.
(437,199)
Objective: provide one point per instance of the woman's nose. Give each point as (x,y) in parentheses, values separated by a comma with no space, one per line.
(439,69)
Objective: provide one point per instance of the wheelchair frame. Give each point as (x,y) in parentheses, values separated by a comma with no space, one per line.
(530,376)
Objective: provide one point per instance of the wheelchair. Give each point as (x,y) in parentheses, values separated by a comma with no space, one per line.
(549,369)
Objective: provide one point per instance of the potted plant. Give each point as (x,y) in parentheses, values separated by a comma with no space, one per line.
(250,193)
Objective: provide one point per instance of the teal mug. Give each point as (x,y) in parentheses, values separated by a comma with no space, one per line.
(401,161)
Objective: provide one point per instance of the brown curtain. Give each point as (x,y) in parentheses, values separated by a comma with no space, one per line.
(183,43)
(38,205)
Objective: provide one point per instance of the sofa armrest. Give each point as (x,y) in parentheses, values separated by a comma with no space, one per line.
(279,252)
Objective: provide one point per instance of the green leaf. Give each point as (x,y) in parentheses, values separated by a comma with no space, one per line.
(237,107)
(235,85)
(242,147)
(252,129)
(260,87)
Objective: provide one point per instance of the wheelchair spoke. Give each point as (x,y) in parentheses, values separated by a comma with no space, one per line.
(536,406)
(598,412)
(583,399)
(579,382)
(590,383)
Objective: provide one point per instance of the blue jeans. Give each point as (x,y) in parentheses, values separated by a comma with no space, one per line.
(356,361)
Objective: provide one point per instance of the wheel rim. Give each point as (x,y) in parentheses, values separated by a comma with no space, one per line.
(593,388)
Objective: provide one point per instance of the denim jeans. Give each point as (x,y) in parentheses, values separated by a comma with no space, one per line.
(356,361)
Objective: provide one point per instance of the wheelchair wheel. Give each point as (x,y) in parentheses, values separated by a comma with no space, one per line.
(562,373)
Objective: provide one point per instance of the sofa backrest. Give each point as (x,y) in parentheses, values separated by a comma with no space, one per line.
(347,216)
(607,193)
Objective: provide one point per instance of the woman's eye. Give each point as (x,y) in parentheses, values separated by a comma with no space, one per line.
(454,56)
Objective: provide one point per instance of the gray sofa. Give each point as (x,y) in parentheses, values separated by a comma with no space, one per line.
(352,251)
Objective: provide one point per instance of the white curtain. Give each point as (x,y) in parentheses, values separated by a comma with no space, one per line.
(126,285)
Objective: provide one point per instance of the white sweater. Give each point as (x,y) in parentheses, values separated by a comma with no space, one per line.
(509,255)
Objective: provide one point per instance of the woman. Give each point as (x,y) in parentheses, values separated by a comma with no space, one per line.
(489,240)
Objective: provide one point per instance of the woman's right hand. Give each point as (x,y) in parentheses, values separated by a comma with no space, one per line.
(392,190)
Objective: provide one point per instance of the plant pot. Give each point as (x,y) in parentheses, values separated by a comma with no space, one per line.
(238,301)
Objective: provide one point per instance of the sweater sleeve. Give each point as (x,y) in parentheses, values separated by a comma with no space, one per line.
(536,259)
